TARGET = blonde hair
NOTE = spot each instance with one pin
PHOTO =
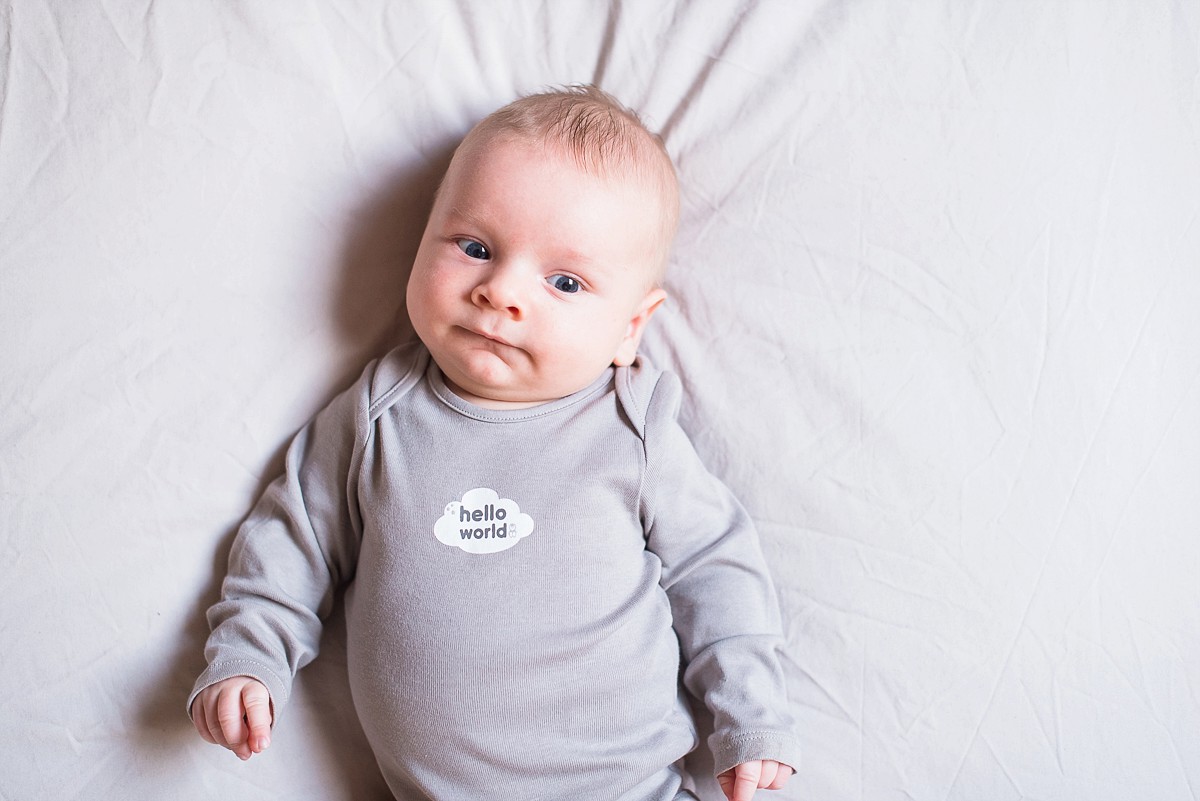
(601, 135)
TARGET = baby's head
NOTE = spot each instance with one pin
(541, 261)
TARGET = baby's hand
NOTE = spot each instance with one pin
(739, 783)
(235, 713)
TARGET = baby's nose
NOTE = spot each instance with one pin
(501, 290)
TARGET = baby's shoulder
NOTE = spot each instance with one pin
(390, 377)
(648, 395)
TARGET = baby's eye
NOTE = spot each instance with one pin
(473, 249)
(565, 283)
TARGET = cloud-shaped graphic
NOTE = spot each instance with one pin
(482, 522)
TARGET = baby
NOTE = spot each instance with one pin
(539, 560)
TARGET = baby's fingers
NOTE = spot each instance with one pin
(235, 713)
(231, 722)
(745, 781)
(781, 777)
(201, 723)
(257, 703)
(739, 783)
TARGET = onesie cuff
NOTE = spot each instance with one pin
(228, 669)
(733, 751)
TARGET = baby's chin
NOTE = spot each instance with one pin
(509, 380)
(502, 397)
(492, 396)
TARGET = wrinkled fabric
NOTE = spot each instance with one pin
(932, 303)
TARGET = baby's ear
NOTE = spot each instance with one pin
(627, 350)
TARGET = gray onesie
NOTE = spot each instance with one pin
(524, 586)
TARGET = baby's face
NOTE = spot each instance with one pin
(533, 276)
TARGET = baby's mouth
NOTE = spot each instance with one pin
(488, 337)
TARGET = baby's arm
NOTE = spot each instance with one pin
(235, 713)
(740, 782)
(723, 605)
(299, 543)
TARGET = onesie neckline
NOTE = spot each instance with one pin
(437, 383)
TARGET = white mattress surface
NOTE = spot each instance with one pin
(934, 302)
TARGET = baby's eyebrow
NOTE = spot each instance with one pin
(576, 258)
(465, 215)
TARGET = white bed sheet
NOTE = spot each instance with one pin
(934, 300)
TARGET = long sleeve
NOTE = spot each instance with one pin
(725, 611)
(298, 544)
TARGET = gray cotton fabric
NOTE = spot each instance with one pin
(523, 587)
